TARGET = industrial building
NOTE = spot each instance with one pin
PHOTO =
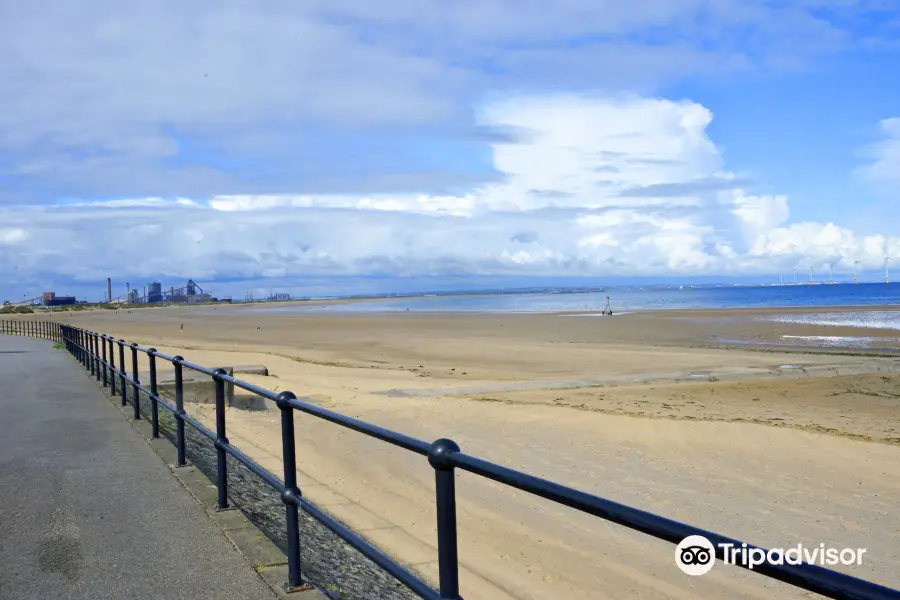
(189, 293)
(154, 292)
(51, 299)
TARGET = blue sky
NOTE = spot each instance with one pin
(801, 132)
(261, 146)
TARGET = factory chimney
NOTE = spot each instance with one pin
(109, 289)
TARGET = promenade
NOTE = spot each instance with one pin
(87, 509)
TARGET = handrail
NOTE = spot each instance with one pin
(444, 456)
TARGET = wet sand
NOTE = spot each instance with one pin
(775, 447)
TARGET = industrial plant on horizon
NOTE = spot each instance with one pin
(190, 293)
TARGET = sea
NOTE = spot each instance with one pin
(624, 300)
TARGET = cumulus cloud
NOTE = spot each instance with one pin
(166, 98)
(563, 207)
(759, 214)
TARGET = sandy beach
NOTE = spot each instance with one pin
(767, 442)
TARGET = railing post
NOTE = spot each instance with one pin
(105, 365)
(89, 343)
(112, 367)
(95, 348)
(291, 495)
(122, 371)
(222, 480)
(154, 407)
(445, 492)
(81, 357)
(135, 386)
(179, 411)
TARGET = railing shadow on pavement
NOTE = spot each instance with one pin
(444, 456)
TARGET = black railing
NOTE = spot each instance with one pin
(443, 455)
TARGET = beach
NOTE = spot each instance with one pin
(734, 421)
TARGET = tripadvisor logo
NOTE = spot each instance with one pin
(696, 555)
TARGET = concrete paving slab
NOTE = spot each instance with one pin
(88, 510)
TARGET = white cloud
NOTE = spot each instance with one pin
(885, 166)
(12, 236)
(112, 99)
(759, 214)
(624, 186)
(588, 152)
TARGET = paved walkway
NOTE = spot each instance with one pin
(87, 509)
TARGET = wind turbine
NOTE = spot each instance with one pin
(795, 275)
(887, 272)
(856, 264)
(810, 276)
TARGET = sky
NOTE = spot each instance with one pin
(337, 146)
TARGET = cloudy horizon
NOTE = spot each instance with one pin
(254, 148)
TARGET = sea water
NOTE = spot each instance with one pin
(635, 298)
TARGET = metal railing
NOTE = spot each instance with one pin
(444, 456)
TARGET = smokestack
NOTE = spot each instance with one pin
(109, 289)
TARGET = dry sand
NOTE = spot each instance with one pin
(636, 408)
